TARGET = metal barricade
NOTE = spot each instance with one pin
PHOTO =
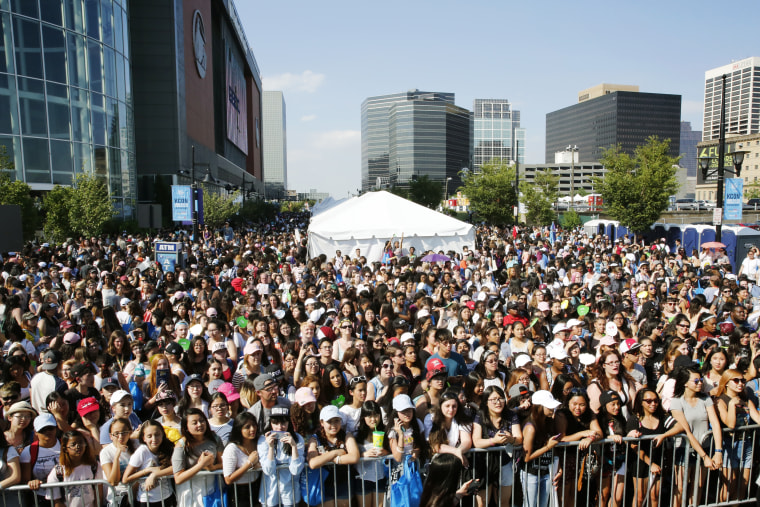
(22, 495)
(635, 472)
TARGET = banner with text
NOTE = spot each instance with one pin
(182, 203)
(732, 202)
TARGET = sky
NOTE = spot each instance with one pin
(327, 57)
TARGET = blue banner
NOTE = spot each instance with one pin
(182, 203)
(732, 202)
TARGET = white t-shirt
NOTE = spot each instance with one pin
(143, 458)
(75, 496)
(352, 418)
(47, 458)
(233, 458)
(107, 454)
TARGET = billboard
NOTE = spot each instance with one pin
(732, 203)
(237, 121)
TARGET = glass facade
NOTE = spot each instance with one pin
(496, 132)
(413, 134)
(742, 99)
(65, 93)
(624, 118)
(275, 143)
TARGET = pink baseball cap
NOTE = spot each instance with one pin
(305, 395)
(229, 391)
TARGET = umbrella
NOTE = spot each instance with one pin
(713, 244)
(434, 257)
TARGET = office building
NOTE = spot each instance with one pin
(496, 132)
(409, 135)
(604, 89)
(196, 84)
(750, 172)
(689, 140)
(573, 176)
(622, 118)
(275, 144)
(742, 99)
(66, 97)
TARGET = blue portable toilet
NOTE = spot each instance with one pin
(610, 232)
(728, 238)
(708, 234)
(621, 232)
(674, 233)
(690, 239)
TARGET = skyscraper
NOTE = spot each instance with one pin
(496, 132)
(413, 134)
(275, 143)
(615, 118)
(742, 99)
(689, 140)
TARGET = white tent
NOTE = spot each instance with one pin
(325, 205)
(368, 221)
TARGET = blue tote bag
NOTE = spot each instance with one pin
(407, 490)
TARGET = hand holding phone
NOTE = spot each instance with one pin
(472, 487)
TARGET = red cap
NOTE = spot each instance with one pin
(87, 405)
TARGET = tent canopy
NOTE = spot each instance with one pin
(368, 221)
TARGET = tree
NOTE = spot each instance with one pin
(254, 210)
(219, 207)
(90, 206)
(571, 219)
(491, 192)
(56, 205)
(425, 191)
(636, 189)
(18, 193)
(539, 197)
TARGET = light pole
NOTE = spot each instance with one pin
(446, 190)
(194, 187)
(737, 159)
(573, 150)
(517, 180)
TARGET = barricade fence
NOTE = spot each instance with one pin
(638, 472)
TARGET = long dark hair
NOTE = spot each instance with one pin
(439, 435)
(243, 418)
(638, 403)
(183, 409)
(442, 481)
(417, 437)
(328, 393)
(485, 416)
(165, 448)
(286, 447)
(207, 435)
(363, 431)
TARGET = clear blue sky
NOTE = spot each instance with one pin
(327, 57)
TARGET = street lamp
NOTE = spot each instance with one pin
(194, 187)
(446, 190)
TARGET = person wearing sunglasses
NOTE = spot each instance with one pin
(696, 414)
(345, 340)
(736, 411)
(649, 419)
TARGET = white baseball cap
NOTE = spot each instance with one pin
(545, 398)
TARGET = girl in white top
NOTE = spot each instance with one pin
(78, 463)
(240, 460)
(114, 458)
(152, 461)
(280, 446)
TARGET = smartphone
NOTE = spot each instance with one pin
(162, 376)
(473, 487)
(557, 436)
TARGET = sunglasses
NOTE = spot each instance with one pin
(356, 380)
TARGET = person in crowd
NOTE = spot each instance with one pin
(151, 463)
(240, 461)
(78, 462)
(280, 445)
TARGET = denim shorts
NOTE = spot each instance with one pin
(738, 454)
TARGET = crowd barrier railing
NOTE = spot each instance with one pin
(636, 472)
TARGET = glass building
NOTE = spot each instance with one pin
(620, 118)
(414, 134)
(65, 93)
(275, 143)
(497, 133)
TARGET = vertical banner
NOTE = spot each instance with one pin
(182, 203)
(732, 202)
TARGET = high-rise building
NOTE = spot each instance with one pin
(414, 134)
(689, 140)
(616, 118)
(66, 97)
(275, 144)
(197, 91)
(496, 132)
(742, 99)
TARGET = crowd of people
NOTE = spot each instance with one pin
(603, 373)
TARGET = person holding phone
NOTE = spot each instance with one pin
(160, 380)
(539, 439)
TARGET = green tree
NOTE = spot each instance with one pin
(636, 189)
(56, 205)
(539, 196)
(491, 192)
(570, 220)
(90, 207)
(255, 210)
(219, 207)
(425, 191)
(18, 193)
